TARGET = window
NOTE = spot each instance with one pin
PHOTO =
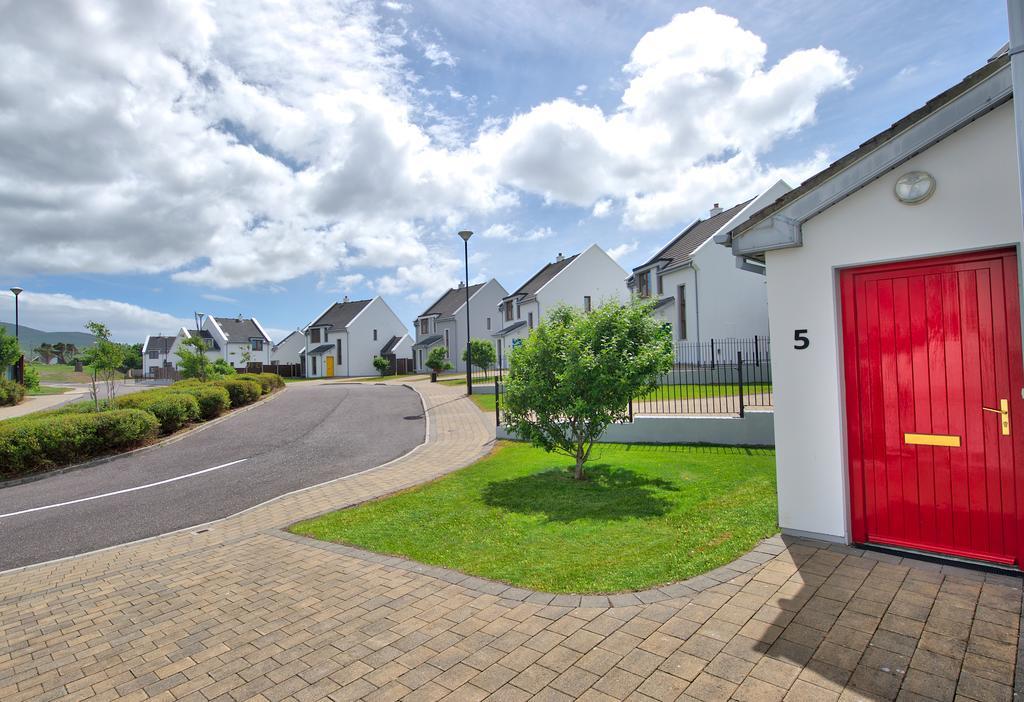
(312, 365)
(314, 336)
(661, 289)
(508, 311)
(519, 312)
(529, 317)
(586, 303)
(424, 326)
(339, 352)
(643, 284)
(421, 358)
(154, 354)
(257, 344)
(681, 293)
(374, 334)
(447, 347)
(488, 324)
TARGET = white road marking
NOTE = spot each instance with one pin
(122, 492)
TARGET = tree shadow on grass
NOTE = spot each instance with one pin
(607, 494)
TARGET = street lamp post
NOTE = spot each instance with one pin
(469, 352)
(17, 291)
(17, 334)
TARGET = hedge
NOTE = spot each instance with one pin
(172, 410)
(29, 444)
(213, 401)
(242, 392)
(268, 381)
(11, 393)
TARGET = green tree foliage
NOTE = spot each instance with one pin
(576, 372)
(192, 358)
(381, 364)
(437, 359)
(9, 351)
(220, 369)
(483, 355)
(46, 351)
(106, 358)
(132, 355)
(31, 377)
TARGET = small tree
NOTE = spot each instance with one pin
(192, 358)
(219, 369)
(483, 355)
(106, 358)
(381, 364)
(9, 352)
(246, 358)
(437, 361)
(576, 373)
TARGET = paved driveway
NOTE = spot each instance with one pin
(306, 435)
(246, 612)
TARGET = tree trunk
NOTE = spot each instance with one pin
(579, 468)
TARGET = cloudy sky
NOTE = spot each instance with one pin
(161, 157)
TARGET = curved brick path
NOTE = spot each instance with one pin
(245, 611)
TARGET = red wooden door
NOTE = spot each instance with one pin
(927, 346)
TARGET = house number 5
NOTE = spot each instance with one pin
(800, 337)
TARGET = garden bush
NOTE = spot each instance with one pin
(213, 401)
(256, 378)
(33, 443)
(10, 392)
(242, 392)
(276, 381)
(172, 410)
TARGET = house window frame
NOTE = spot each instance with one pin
(508, 311)
(488, 324)
(681, 306)
(424, 326)
(587, 304)
(338, 348)
(314, 335)
(643, 284)
(374, 334)
(154, 354)
(447, 344)
(529, 320)
(256, 344)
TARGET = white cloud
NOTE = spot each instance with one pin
(602, 208)
(581, 88)
(622, 250)
(350, 281)
(507, 232)
(235, 147)
(217, 298)
(59, 312)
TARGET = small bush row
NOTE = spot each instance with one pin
(11, 393)
(78, 431)
(33, 443)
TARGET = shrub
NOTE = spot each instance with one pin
(213, 401)
(256, 378)
(172, 410)
(10, 392)
(276, 381)
(33, 443)
(31, 378)
(242, 392)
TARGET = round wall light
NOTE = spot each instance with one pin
(915, 187)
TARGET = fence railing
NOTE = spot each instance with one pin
(717, 385)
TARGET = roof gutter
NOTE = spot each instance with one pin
(1015, 14)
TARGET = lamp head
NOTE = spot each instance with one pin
(16, 290)
(465, 235)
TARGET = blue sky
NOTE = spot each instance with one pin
(265, 162)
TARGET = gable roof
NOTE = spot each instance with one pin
(452, 300)
(993, 66)
(681, 248)
(542, 277)
(239, 330)
(159, 343)
(340, 314)
(278, 344)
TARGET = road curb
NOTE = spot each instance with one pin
(159, 444)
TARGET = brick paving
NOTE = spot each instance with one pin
(244, 611)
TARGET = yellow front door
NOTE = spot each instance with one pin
(330, 366)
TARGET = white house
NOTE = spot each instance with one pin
(444, 322)
(700, 290)
(156, 354)
(584, 280)
(233, 339)
(346, 337)
(288, 350)
(894, 306)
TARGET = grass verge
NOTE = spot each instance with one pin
(647, 515)
(46, 390)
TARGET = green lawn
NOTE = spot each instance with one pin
(484, 402)
(46, 390)
(647, 515)
(60, 373)
(462, 381)
(685, 392)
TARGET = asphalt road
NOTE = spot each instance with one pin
(308, 435)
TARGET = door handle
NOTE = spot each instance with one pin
(1004, 415)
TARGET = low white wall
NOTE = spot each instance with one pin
(754, 429)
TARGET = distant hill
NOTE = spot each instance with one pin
(31, 338)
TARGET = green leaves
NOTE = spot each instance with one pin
(575, 374)
(437, 359)
(483, 354)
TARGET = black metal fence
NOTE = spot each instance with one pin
(722, 377)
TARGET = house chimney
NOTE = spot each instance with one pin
(559, 258)
(461, 285)
(715, 210)
(345, 299)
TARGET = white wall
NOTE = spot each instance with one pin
(592, 273)
(483, 304)
(733, 302)
(359, 348)
(289, 349)
(975, 206)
